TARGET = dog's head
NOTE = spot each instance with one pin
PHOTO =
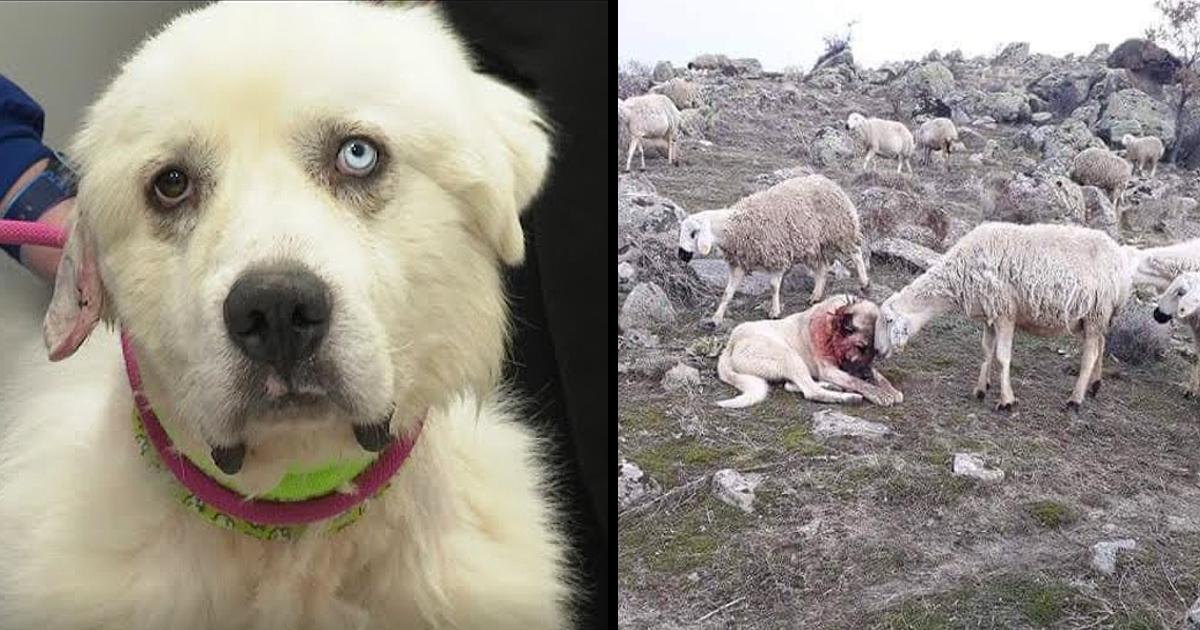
(299, 212)
(854, 327)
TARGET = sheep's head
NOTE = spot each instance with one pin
(1127, 138)
(1181, 299)
(855, 121)
(892, 330)
(695, 236)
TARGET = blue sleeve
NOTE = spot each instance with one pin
(21, 122)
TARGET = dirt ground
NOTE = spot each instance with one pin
(857, 533)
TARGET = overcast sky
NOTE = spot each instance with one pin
(788, 32)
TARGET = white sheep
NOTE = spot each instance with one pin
(1143, 151)
(885, 137)
(938, 134)
(1158, 266)
(1181, 299)
(804, 220)
(1105, 170)
(1043, 279)
(650, 116)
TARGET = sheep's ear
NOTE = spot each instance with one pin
(680, 213)
(501, 170)
(704, 241)
(78, 296)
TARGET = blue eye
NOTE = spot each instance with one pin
(357, 157)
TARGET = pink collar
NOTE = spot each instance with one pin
(260, 511)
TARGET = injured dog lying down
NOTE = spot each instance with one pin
(825, 353)
(294, 218)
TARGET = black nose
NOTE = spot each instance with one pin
(1161, 317)
(278, 316)
(684, 255)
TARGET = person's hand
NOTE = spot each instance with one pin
(43, 261)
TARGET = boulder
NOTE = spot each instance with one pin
(972, 465)
(1036, 199)
(715, 273)
(1146, 58)
(1007, 107)
(746, 67)
(833, 146)
(1104, 554)
(1134, 111)
(641, 214)
(1099, 212)
(915, 256)
(736, 489)
(633, 485)
(1063, 90)
(708, 61)
(1013, 54)
(646, 307)
(663, 71)
(682, 377)
(922, 90)
(884, 211)
(828, 423)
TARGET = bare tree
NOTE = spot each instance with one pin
(1179, 29)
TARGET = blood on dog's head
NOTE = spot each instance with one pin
(350, 168)
(846, 337)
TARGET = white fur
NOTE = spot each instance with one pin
(1181, 300)
(465, 537)
(649, 116)
(884, 137)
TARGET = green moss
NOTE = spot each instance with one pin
(662, 460)
(1051, 514)
(644, 419)
(1136, 620)
(851, 480)
(1041, 601)
(1037, 601)
(799, 439)
(917, 616)
(937, 487)
(693, 538)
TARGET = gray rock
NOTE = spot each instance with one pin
(646, 307)
(1146, 58)
(652, 366)
(828, 423)
(1192, 619)
(640, 214)
(1099, 53)
(708, 61)
(626, 272)
(1041, 117)
(1099, 212)
(1013, 54)
(663, 71)
(641, 337)
(1110, 82)
(833, 146)
(715, 273)
(746, 67)
(1088, 113)
(1063, 91)
(1036, 199)
(917, 256)
(682, 377)
(633, 485)
(1065, 139)
(971, 465)
(1007, 107)
(922, 87)
(696, 122)
(1104, 554)
(736, 489)
(1134, 111)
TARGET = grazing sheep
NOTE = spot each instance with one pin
(650, 116)
(1105, 170)
(831, 343)
(1043, 279)
(937, 134)
(1157, 267)
(885, 137)
(1182, 299)
(807, 220)
(683, 93)
(1143, 151)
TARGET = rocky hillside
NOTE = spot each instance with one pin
(942, 513)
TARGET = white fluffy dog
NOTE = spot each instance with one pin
(298, 214)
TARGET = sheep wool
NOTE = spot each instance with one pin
(1103, 169)
(807, 220)
(885, 137)
(1143, 152)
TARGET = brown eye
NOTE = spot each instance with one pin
(172, 186)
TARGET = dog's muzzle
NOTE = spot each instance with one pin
(684, 255)
(1161, 317)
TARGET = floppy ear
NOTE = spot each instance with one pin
(78, 296)
(704, 241)
(505, 167)
(845, 322)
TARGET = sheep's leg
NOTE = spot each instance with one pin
(735, 279)
(870, 154)
(671, 159)
(642, 153)
(985, 369)
(820, 274)
(860, 265)
(1004, 340)
(1091, 345)
(776, 283)
(1097, 370)
(1153, 168)
(633, 144)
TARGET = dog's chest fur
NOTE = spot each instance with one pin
(462, 539)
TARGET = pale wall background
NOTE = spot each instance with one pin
(64, 53)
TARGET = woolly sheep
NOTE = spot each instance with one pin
(1143, 151)
(1181, 300)
(808, 220)
(1158, 266)
(1105, 170)
(683, 93)
(886, 137)
(650, 116)
(1043, 279)
(937, 134)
